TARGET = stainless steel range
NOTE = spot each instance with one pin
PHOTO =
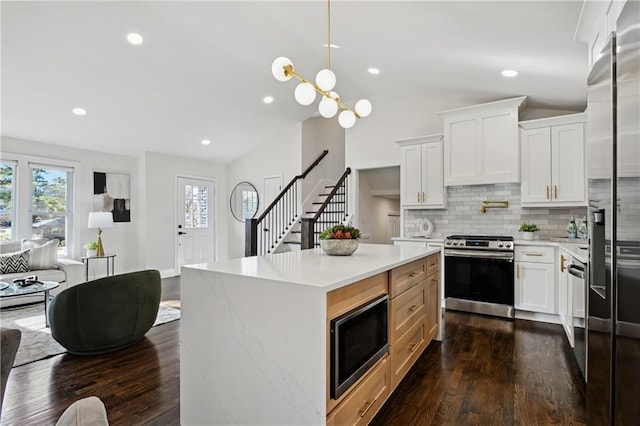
(478, 274)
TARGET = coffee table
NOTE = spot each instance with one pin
(15, 290)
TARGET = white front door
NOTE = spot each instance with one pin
(195, 224)
(272, 186)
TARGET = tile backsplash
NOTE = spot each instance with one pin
(463, 216)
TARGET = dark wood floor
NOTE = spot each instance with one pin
(486, 371)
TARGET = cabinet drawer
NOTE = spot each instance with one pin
(407, 309)
(406, 276)
(359, 407)
(537, 254)
(433, 264)
(346, 298)
(407, 349)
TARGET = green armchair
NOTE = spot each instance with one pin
(106, 314)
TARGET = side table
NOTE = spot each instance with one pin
(111, 258)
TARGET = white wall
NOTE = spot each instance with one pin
(160, 197)
(279, 155)
(319, 134)
(122, 239)
(373, 211)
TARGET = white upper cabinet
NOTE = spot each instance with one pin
(421, 178)
(552, 157)
(481, 143)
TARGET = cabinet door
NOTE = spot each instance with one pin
(535, 287)
(411, 175)
(535, 158)
(567, 165)
(500, 148)
(433, 306)
(433, 183)
(461, 152)
(565, 305)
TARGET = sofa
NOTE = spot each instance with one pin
(44, 263)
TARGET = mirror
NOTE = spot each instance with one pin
(244, 201)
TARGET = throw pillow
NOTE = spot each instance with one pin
(12, 263)
(43, 256)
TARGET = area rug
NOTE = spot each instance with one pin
(37, 343)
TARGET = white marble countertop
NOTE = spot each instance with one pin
(428, 239)
(317, 269)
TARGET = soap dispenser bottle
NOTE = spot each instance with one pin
(572, 228)
(584, 228)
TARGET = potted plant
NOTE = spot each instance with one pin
(339, 240)
(527, 230)
(91, 248)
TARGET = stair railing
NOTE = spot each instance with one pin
(333, 211)
(263, 233)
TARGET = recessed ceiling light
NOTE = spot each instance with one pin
(267, 99)
(135, 38)
(509, 73)
(79, 111)
(206, 142)
(374, 71)
(333, 46)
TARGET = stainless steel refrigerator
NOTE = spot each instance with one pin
(613, 171)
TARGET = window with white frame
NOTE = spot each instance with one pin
(51, 203)
(7, 199)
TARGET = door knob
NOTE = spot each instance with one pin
(182, 233)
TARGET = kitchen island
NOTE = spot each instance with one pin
(254, 332)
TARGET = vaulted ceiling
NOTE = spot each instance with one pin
(204, 67)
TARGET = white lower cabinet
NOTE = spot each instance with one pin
(535, 283)
(565, 296)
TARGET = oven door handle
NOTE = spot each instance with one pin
(479, 254)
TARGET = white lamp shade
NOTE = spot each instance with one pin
(347, 119)
(327, 107)
(277, 68)
(363, 108)
(100, 220)
(305, 93)
(326, 80)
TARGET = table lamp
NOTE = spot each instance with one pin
(100, 220)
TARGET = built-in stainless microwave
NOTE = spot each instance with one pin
(359, 338)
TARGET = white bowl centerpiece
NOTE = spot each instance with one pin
(339, 240)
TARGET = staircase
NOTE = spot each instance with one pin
(329, 208)
(282, 228)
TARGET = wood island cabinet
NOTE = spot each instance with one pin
(414, 320)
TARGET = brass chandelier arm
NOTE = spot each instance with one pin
(288, 71)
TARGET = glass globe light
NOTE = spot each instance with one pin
(327, 107)
(326, 80)
(347, 119)
(277, 68)
(305, 94)
(363, 108)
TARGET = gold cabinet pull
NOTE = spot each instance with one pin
(423, 197)
(562, 260)
(413, 308)
(547, 192)
(555, 188)
(534, 254)
(418, 196)
(413, 274)
(367, 406)
(412, 347)
(517, 272)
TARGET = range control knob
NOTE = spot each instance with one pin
(500, 245)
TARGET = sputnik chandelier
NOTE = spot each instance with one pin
(305, 92)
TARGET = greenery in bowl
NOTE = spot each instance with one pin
(91, 246)
(340, 232)
(528, 227)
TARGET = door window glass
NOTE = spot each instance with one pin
(196, 213)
